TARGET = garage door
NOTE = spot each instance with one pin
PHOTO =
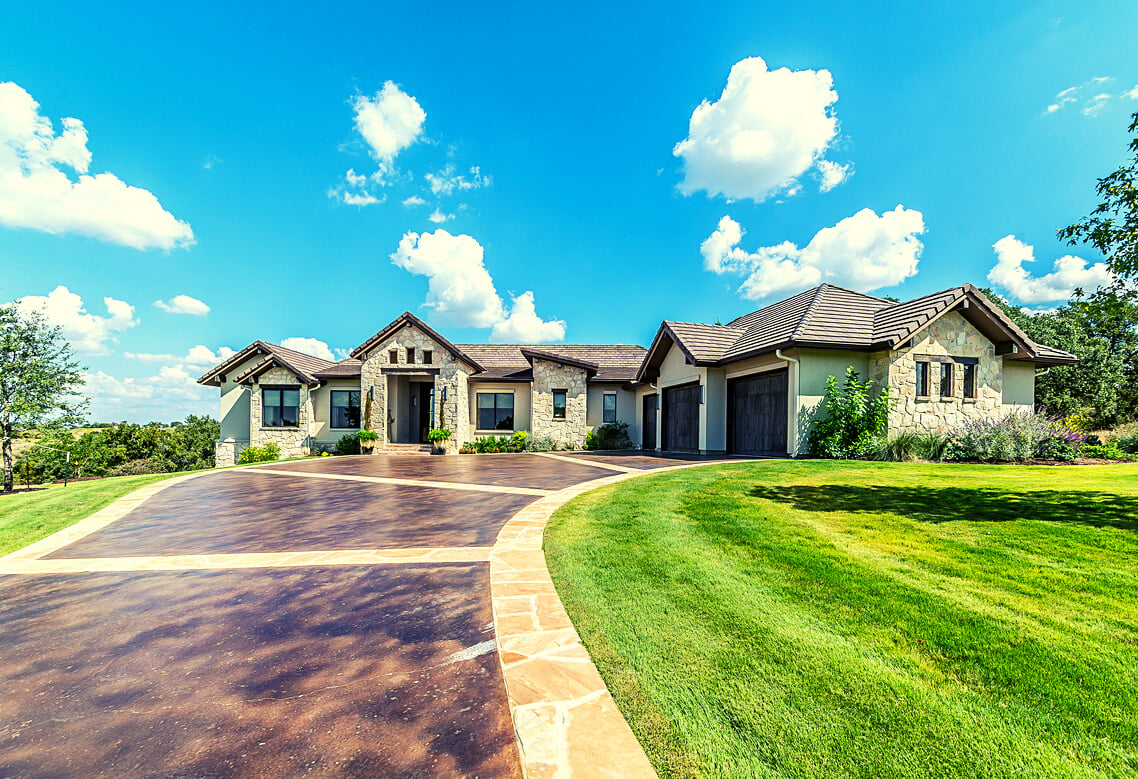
(681, 418)
(756, 413)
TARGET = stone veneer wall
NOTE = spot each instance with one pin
(453, 373)
(226, 452)
(293, 441)
(950, 336)
(548, 376)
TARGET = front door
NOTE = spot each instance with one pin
(426, 394)
(649, 426)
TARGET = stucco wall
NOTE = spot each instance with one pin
(547, 376)
(322, 431)
(1019, 385)
(625, 405)
(522, 402)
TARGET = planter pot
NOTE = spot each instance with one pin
(438, 447)
(367, 447)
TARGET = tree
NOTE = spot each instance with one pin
(1112, 227)
(39, 379)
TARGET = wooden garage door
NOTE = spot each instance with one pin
(649, 427)
(756, 413)
(681, 418)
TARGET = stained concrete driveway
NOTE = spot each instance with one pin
(234, 625)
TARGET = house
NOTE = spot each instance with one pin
(751, 386)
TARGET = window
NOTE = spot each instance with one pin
(922, 379)
(559, 403)
(345, 408)
(946, 380)
(281, 406)
(609, 408)
(428, 357)
(970, 380)
(393, 356)
(495, 411)
(411, 355)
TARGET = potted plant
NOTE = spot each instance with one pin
(367, 440)
(438, 438)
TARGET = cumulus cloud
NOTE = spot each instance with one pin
(524, 326)
(170, 394)
(413, 201)
(831, 174)
(447, 182)
(1069, 273)
(183, 304)
(389, 122)
(312, 346)
(865, 251)
(87, 333)
(1090, 96)
(201, 357)
(767, 128)
(438, 217)
(460, 292)
(38, 192)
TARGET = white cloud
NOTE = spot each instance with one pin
(361, 198)
(447, 182)
(389, 122)
(183, 304)
(460, 291)
(1070, 272)
(524, 326)
(767, 128)
(1088, 93)
(312, 346)
(831, 174)
(87, 333)
(37, 193)
(438, 217)
(414, 200)
(201, 357)
(168, 395)
(864, 252)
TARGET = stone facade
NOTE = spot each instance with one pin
(293, 441)
(227, 451)
(950, 336)
(451, 380)
(548, 376)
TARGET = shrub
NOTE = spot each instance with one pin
(613, 435)
(491, 444)
(543, 444)
(912, 445)
(1126, 437)
(349, 443)
(1108, 451)
(367, 435)
(467, 449)
(439, 434)
(260, 454)
(519, 441)
(1015, 437)
(855, 418)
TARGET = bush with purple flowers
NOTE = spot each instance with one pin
(1016, 437)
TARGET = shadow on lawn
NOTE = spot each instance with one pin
(928, 504)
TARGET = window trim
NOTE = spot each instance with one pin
(513, 416)
(281, 406)
(393, 356)
(564, 393)
(921, 378)
(428, 357)
(332, 409)
(604, 411)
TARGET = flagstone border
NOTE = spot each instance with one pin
(566, 721)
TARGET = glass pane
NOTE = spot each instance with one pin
(289, 417)
(290, 397)
(946, 380)
(505, 420)
(610, 402)
(559, 404)
(485, 419)
(505, 400)
(428, 356)
(271, 417)
(485, 400)
(922, 378)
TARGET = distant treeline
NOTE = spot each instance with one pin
(122, 449)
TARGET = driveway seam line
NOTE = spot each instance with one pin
(549, 676)
(445, 485)
(590, 463)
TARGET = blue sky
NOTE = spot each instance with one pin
(558, 151)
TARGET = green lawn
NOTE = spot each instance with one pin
(28, 517)
(864, 619)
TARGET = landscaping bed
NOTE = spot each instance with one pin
(821, 618)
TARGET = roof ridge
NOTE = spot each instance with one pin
(704, 324)
(854, 292)
(297, 352)
(818, 292)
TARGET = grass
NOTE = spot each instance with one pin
(802, 619)
(28, 517)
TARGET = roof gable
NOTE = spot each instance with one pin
(403, 320)
(305, 366)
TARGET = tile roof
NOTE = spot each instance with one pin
(834, 317)
(303, 365)
(506, 362)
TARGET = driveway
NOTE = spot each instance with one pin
(322, 617)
